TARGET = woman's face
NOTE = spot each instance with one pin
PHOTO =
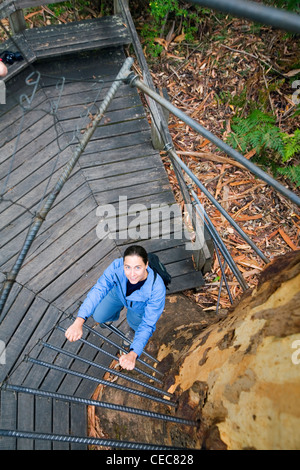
(135, 268)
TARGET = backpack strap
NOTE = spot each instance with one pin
(155, 276)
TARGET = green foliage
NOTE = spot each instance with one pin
(81, 7)
(159, 9)
(264, 92)
(292, 5)
(165, 12)
(292, 173)
(239, 101)
(60, 6)
(292, 145)
(297, 112)
(259, 131)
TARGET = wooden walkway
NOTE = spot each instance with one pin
(70, 38)
(67, 257)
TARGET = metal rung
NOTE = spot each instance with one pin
(100, 381)
(119, 347)
(83, 440)
(100, 404)
(112, 356)
(107, 369)
(121, 335)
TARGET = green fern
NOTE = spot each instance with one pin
(292, 173)
(257, 131)
(291, 150)
(292, 145)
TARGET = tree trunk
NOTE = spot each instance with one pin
(238, 375)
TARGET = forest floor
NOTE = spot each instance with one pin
(229, 58)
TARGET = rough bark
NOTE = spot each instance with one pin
(238, 375)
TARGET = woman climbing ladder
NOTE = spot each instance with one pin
(128, 282)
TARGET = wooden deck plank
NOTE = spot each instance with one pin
(61, 423)
(15, 227)
(11, 249)
(28, 137)
(19, 304)
(137, 178)
(76, 38)
(11, 120)
(28, 197)
(8, 418)
(79, 47)
(42, 423)
(78, 424)
(128, 168)
(147, 188)
(50, 233)
(109, 119)
(102, 27)
(134, 137)
(27, 174)
(78, 93)
(25, 419)
(57, 29)
(117, 154)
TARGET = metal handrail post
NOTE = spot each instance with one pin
(218, 206)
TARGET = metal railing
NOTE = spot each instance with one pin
(256, 12)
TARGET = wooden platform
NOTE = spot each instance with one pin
(67, 257)
(57, 40)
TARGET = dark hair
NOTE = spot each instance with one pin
(136, 250)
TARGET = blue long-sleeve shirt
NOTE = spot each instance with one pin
(148, 300)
